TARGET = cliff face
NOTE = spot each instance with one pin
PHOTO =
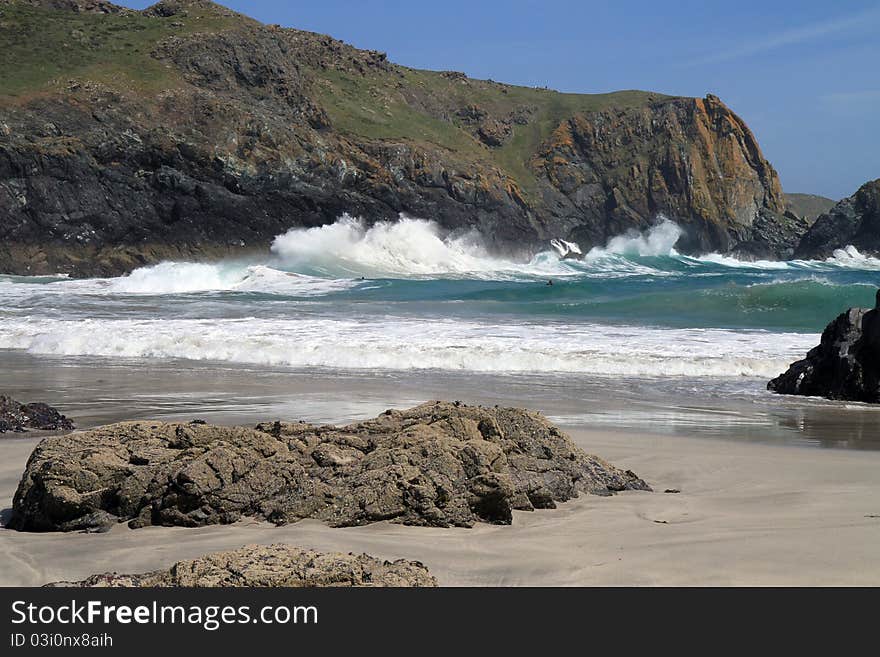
(188, 130)
(689, 159)
(853, 221)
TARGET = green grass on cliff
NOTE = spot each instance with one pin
(382, 105)
(42, 49)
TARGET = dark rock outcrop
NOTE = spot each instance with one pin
(845, 365)
(437, 464)
(15, 416)
(854, 221)
(223, 133)
(272, 566)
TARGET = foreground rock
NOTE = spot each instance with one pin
(845, 365)
(438, 464)
(272, 566)
(15, 416)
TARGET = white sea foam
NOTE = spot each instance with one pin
(327, 259)
(173, 278)
(735, 263)
(404, 248)
(659, 240)
(405, 344)
(846, 258)
(850, 258)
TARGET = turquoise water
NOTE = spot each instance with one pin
(632, 336)
(677, 295)
(404, 296)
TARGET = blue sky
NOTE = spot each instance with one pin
(804, 75)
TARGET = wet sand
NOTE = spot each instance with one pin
(747, 514)
(97, 391)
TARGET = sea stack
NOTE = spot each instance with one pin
(845, 365)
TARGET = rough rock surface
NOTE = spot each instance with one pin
(845, 365)
(440, 464)
(189, 131)
(15, 416)
(854, 221)
(691, 160)
(272, 566)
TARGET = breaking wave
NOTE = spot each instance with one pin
(405, 344)
(336, 257)
(408, 247)
(179, 278)
(407, 295)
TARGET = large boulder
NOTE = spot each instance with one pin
(15, 416)
(845, 365)
(439, 464)
(272, 566)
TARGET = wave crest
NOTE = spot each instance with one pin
(307, 262)
(407, 247)
(412, 344)
(659, 240)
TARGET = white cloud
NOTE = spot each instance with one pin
(865, 95)
(798, 35)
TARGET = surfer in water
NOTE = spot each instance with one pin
(550, 281)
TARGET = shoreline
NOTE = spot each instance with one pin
(96, 391)
(747, 514)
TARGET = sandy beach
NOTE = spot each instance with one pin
(747, 514)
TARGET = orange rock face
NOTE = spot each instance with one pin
(691, 160)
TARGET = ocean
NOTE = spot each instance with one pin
(632, 336)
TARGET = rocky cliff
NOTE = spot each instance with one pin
(853, 221)
(190, 131)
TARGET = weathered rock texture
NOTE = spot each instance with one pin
(854, 221)
(690, 159)
(190, 131)
(272, 566)
(845, 365)
(437, 464)
(15, 416)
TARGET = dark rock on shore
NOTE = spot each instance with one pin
(438, 464)
(854, 221)
(272, 566)
(845, 365)
(15, 416)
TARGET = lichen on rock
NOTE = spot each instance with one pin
(271, 566)
(439, 464)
